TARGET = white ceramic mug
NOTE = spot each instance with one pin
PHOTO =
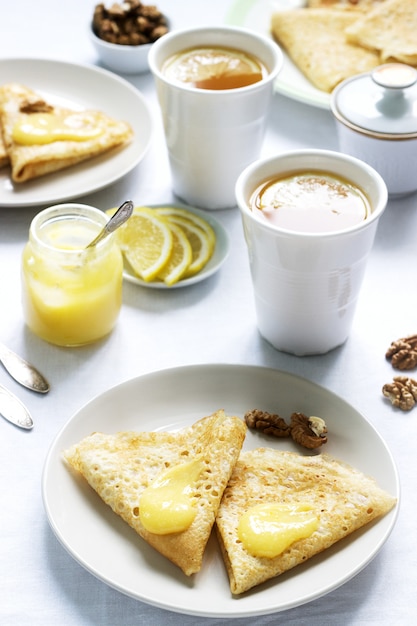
(212, 135)
(306, 285)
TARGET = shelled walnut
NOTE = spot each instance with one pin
(402, 392)
(269, 423)
(309, 432)
(129, 23)
(403, 353)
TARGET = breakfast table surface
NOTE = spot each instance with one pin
(211, 322)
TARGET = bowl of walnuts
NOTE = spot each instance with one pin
(123, 34)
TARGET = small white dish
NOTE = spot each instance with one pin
(120, 58)
(219, 256)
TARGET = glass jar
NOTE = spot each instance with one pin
(71, 295)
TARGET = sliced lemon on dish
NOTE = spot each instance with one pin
(146, 241)
(180, 257)
(173, 211)
(165, 243)
(201, 245)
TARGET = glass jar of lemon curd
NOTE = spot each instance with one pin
(71, 295)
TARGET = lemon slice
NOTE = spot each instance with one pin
(146, 241)
(180, 258)
(201, 246)
(171, 211)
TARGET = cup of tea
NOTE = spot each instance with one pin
(215, 88)
(309, 220)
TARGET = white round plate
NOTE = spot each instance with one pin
(170, 399)
(78, 87)
(219, 256)
(256, 15)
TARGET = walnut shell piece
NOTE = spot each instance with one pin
(402, 392)
(403, 353)
(269, 423)
(309, 432)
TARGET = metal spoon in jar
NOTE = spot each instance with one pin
(122, 214)
(22, 371)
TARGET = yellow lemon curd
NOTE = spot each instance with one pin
(43, 128)
(167, 506)
(268, 529)
(71, 296)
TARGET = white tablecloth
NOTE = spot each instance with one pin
(212, 322)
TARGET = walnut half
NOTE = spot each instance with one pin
(269, 423)
(309, 432)
(403, 353)
(402, 392)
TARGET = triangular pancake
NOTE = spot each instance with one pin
(18, 103)
(389, 29)
(342, 499)
(4, 159)
(120, 467)
(315, 41)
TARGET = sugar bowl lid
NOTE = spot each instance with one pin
(380, 102)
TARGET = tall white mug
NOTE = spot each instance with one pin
(212, 135)
(305, 284)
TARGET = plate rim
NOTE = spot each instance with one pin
(104, 75)
(184, 370)
(222, 237)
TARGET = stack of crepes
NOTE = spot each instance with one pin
(331, 40)
(37, 138)
(173, 487)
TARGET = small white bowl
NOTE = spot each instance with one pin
(121, 58)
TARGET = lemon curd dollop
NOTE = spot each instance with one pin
(44, 128)
(267, 529)
(167, 505)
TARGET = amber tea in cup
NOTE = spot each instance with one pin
(311, 201)
(215, 88)
(214, 67)
(307, 269)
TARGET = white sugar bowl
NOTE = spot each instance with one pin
(376, 118)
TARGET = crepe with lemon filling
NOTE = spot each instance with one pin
(4, 159)
(125, 469)
(40, 138)
(315, 41)
(389, 29)
(339, 497)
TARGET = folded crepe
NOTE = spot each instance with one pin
(326, 498)
(130, 470)
(389, 29)
(74, 136)
(315, 40)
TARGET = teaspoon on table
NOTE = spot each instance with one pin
(22, 371)
(122, 214)
(13, 410)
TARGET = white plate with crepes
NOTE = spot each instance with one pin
(170, 399)
(291, 82)
(78, 87)
(219, 256)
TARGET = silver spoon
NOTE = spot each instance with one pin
(122, 214)
(13, 410)
(22, 371)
